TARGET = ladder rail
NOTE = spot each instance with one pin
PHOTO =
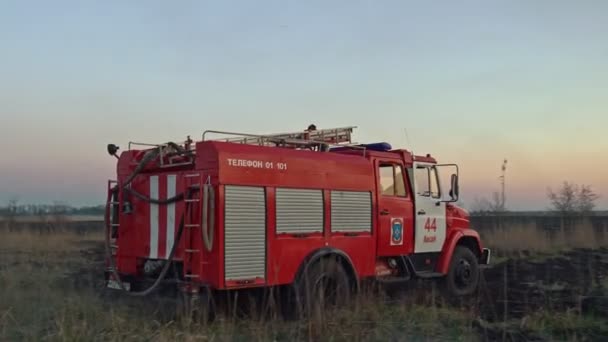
(323, 136)
(239, 135)
(338, 135)
(191, 254)
(318, 139)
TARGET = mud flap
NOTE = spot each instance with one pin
(486, 255)
(113, 284)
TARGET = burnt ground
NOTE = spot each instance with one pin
(519, 299)
(571, 285)
(566, 281)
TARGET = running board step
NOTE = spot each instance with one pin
(393, 280)
(426, 275)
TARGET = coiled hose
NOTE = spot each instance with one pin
(150, 156)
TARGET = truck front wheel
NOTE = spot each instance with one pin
(463, 276)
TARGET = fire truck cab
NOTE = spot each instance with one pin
(245, 211)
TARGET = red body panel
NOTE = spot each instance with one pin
(221, 164)
(305, 169)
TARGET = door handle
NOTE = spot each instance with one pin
(421, 212)
(384, 212)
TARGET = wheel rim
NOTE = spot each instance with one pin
(464, 274)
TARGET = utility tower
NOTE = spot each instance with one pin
(503, 197)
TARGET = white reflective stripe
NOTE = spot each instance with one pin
(171, 189)
(153, 218)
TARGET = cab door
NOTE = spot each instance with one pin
(430, 211)
(394, 209)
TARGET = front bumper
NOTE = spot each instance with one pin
(486, 255)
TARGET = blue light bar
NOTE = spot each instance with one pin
(379, 146)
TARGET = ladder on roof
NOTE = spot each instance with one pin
(330, 136)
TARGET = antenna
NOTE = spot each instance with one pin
(503, 197)
(407, 140)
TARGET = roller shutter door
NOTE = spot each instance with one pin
(299, 210)
(245, 232)
(351, 211)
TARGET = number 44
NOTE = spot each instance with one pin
(430, 225)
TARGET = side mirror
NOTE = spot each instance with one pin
(454, 191)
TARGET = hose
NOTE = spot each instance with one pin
(145, 198)
(208, 201)
(148, 157)
(163, 272)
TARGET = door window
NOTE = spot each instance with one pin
(391, 180)
(399, 182)
(387, 181)
(427, 183)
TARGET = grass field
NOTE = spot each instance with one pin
(52, 289)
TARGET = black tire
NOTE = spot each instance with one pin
(463, 276)
(325, 285)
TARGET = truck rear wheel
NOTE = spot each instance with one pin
(463, 276)
(326, 284)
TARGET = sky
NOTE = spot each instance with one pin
(471, 82)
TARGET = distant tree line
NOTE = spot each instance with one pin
(570, 199)
(13, 209)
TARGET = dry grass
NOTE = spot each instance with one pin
(28, 241)
(528, 237)
(52, 289)
(566, 326)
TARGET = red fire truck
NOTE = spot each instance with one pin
(306, 208)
